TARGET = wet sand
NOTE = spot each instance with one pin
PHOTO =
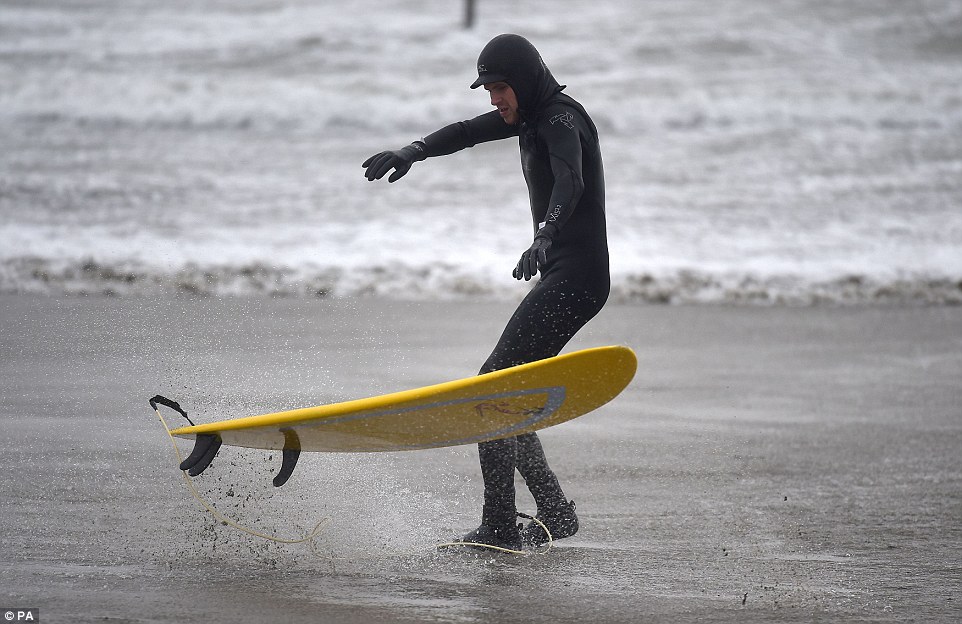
(767, 464)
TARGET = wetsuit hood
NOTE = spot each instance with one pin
(514, 60)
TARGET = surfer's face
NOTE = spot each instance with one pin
(504, 99)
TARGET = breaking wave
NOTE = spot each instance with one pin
(439, 282)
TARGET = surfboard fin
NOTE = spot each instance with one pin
(205, 449)
(292, 451)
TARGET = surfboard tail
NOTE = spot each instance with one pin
(207, 445)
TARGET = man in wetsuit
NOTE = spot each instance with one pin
(561, 160)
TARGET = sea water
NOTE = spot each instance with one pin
(774, 152)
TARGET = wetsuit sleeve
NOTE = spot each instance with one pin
(561, 133)
(464, 134)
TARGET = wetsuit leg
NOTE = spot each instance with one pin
(498, 461)
(534, 469)
(544, 322)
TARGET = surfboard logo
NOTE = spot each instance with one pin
(503, 408)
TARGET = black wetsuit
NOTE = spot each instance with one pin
(562, 164)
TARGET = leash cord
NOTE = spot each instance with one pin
(508, 550)
(309, 537)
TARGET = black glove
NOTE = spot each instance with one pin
(534, 258)
(400, 160)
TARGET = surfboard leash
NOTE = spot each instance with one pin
(324, 522)
(309, 537)
(512, 551)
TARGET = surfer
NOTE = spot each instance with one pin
(562, 165)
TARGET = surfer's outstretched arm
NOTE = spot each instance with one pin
(449, 139)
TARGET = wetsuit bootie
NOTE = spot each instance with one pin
(562, 521)
(505, 536)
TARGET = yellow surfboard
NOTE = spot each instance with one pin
(495, 405)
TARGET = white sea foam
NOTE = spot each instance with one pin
(776, 153)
